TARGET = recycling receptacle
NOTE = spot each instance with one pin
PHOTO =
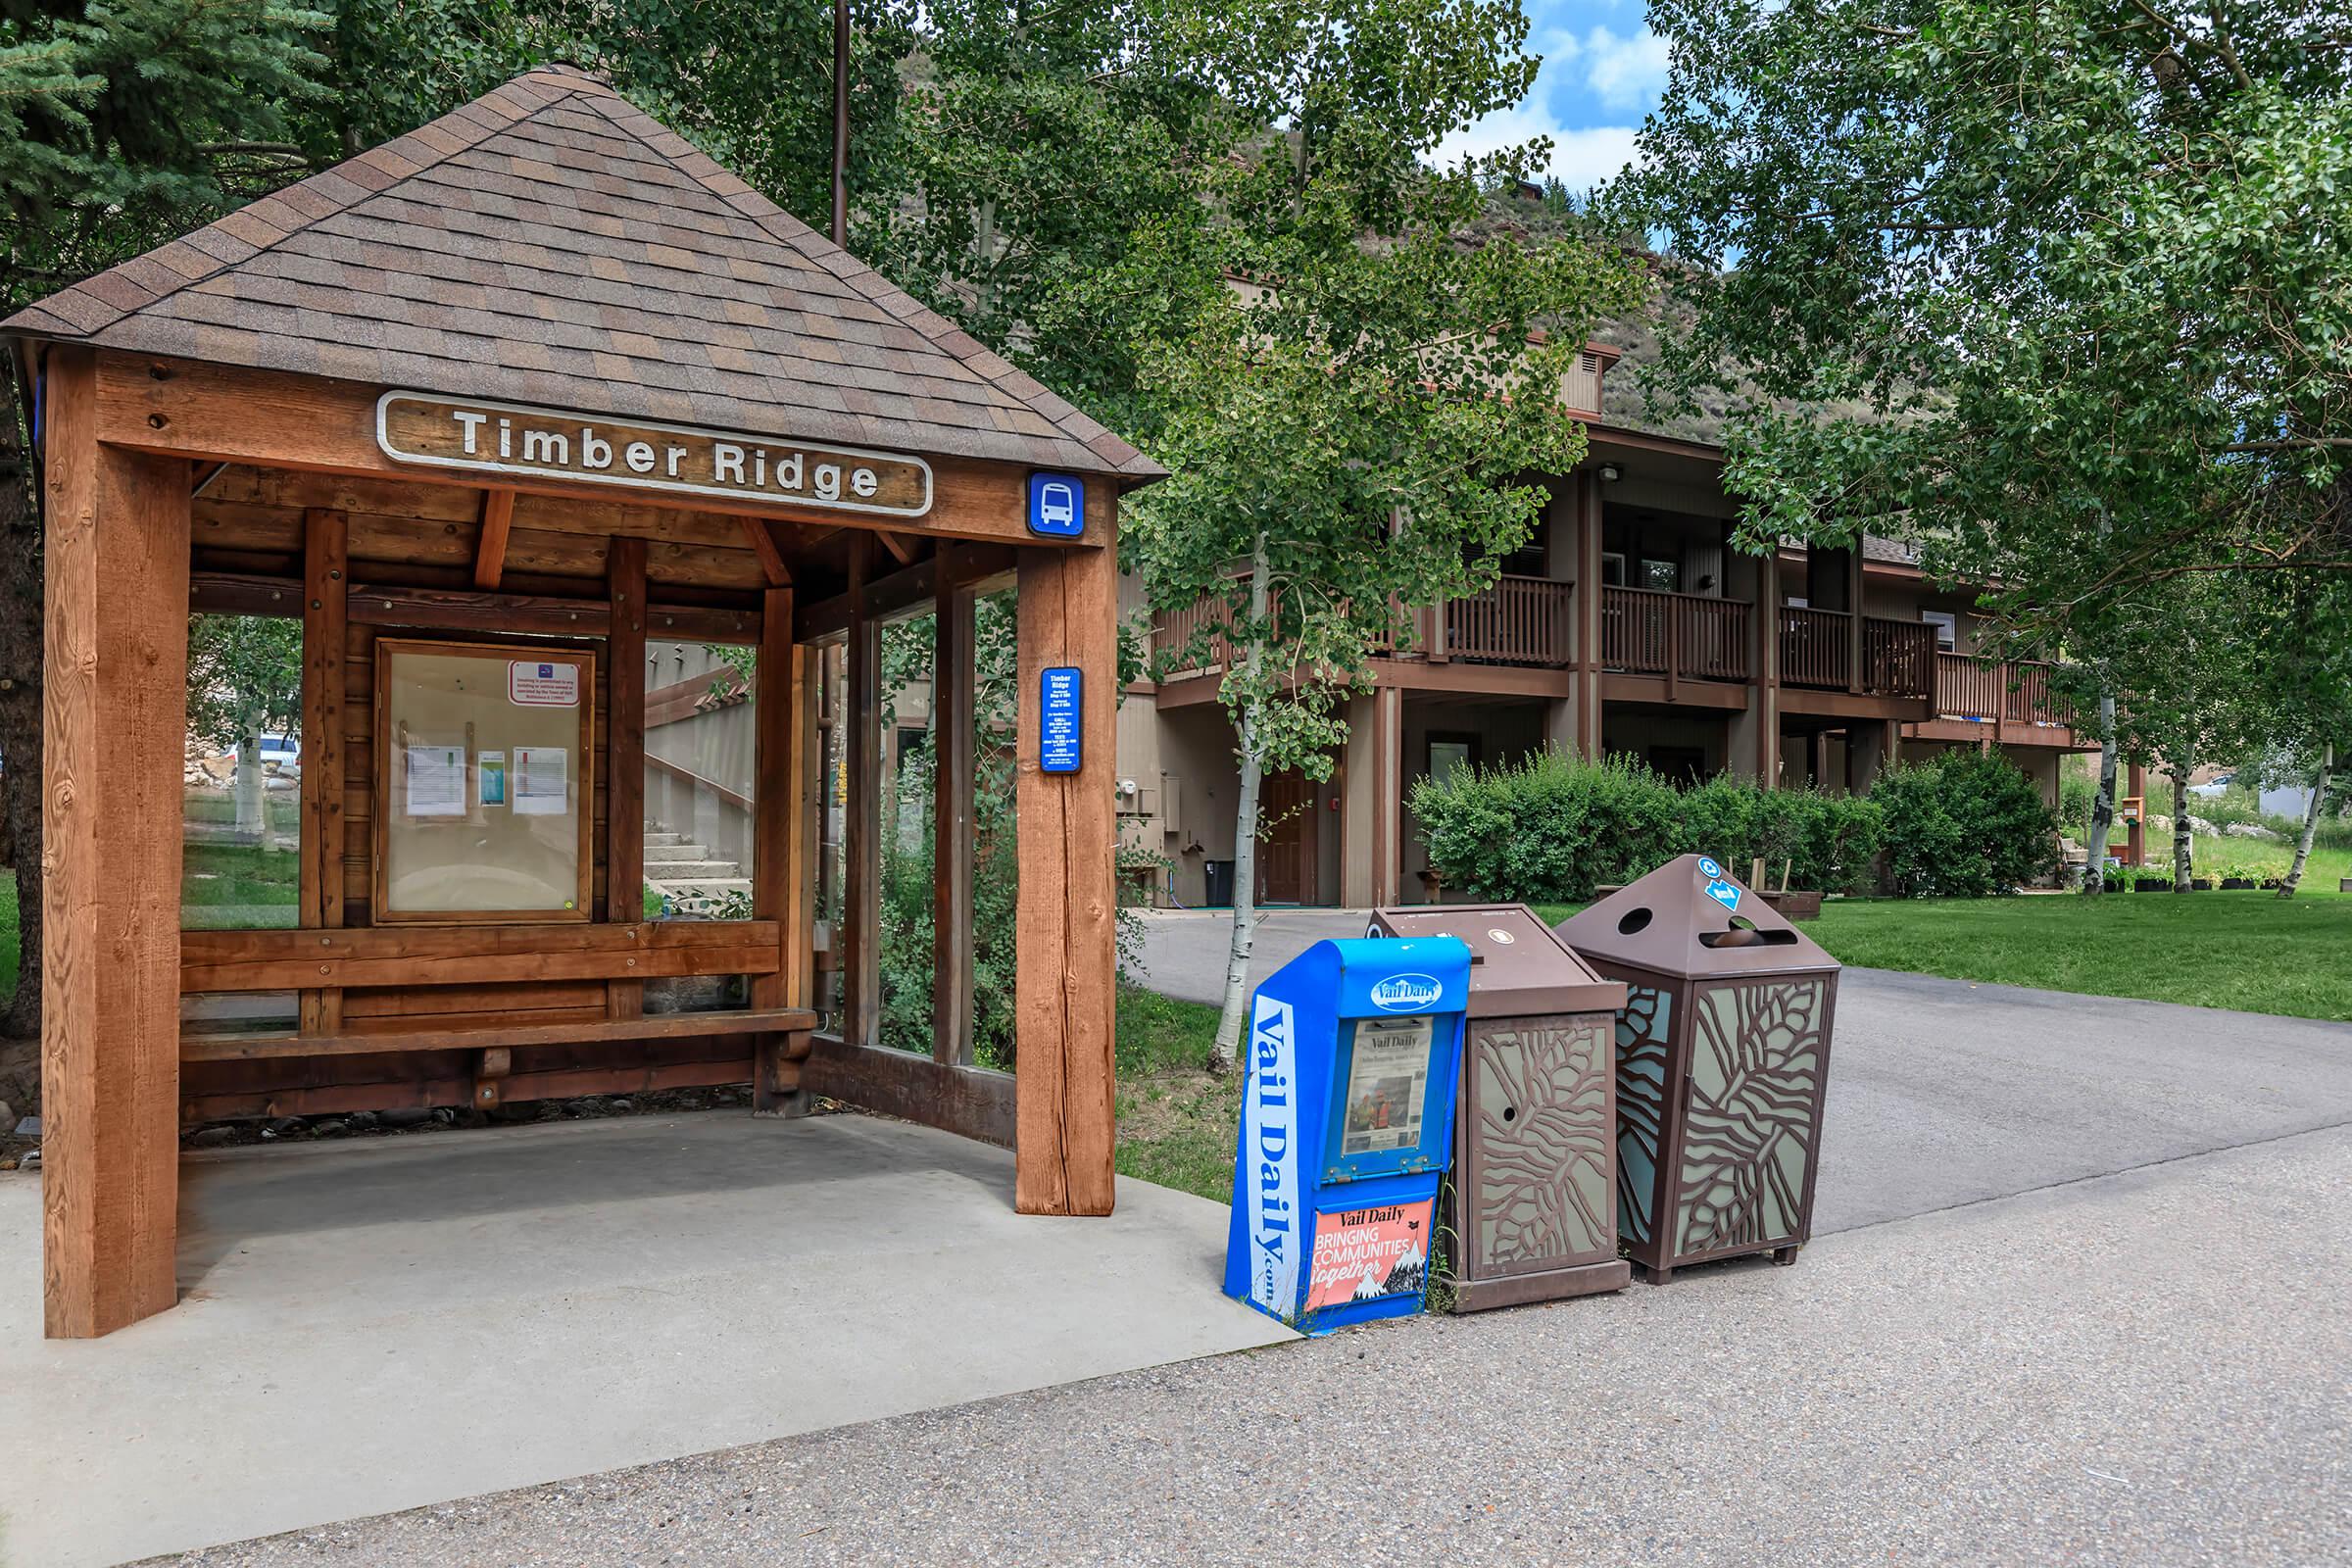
(1347, 1129)
(1534, 1216)
(1723, 1058)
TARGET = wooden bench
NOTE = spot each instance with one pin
(204, 1046)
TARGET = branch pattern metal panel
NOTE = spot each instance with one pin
(1540, 1134)
(1643, 1031)
(1756, 1057)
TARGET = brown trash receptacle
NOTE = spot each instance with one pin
(1534, 1216)
(1723, 1055)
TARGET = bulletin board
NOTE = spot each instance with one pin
(484, 783)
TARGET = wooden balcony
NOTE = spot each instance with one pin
(2007, 695)
(1521, 621)
(1818, 652)
(1680, 636)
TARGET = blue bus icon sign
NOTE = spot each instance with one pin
(1056, 505)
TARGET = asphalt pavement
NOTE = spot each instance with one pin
(2074, 1296)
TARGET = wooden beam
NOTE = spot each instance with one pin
(952, 801)
(326, 585)
(1065, 909)
(454, 610)
(490, 1036)
(114, 711)
(213, 412)
(776, 827)
(971, 1102)
(862, 858)
(433, 956)
(625, 755)
(908, 592)
(763, 545)
(901, 550)
(490, 553)
(223, 593)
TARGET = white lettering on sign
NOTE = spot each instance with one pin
(1270, 1147)
(504, 438)
(531, 683)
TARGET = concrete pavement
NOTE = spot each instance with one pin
(369, 1325)
(2141, 1369)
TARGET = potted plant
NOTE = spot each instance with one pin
(2146, 881)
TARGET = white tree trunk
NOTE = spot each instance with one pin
(2311, 824)
(2183, 849)
(2102, 810)
(1227, 1047)
(251, 826)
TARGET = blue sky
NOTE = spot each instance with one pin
(1602, 71)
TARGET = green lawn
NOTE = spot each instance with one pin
(1177, 1123)
(2249, 951)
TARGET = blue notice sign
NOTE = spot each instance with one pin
(1056, 505)
(1060, 718)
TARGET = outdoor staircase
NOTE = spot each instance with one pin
(688, 876)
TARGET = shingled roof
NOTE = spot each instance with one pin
(552, 244)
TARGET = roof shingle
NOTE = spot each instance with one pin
(550, 243)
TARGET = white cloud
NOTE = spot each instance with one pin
(1582, 158)
(1626, 73)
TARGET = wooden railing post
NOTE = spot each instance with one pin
(1674, 646)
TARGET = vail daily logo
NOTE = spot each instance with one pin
(1268, 1118)
(1407, 993)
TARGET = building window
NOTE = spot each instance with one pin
(1612, 568)
(1947, 628)
(1661, 576)
(1447, 752)
(241, 795)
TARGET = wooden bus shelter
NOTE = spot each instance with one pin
(508, 397)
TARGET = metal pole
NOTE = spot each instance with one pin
(841, 123)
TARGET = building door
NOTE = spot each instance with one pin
(1286, 839)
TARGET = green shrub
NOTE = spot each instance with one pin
(1551, 828)
(2078, 796)
(1965, 824)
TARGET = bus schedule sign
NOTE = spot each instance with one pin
(504, 438)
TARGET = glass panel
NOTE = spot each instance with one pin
(702, 777)
(241, 801)
(702, 774)
(907, 845)
(484, 778)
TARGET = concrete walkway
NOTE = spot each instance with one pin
(372, 1325)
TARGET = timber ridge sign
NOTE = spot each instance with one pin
(504, 438)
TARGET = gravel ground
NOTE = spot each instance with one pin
(2143, 1368)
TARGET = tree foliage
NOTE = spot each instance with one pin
(2060, 288)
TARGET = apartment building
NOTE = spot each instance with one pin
(1626, 625)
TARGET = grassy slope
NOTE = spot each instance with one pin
(1177, 1123)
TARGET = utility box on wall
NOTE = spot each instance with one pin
(1534, 1216)
(1347, 1129)
(1723, 1057)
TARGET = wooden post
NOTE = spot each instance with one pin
(115, 741)
(776, 818)
(1388, 794)
(952, 697)
(808, 806)
(1854, 614)
(1589, 592)
(861, 859)
(1765, 693)
(326, 587)
(1064, 987)
(624, 756)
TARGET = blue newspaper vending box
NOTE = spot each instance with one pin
(1347, 1129)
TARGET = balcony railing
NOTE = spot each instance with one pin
(1680, 636)
(1985, 692)
(1816, 650)
(1520, 620)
